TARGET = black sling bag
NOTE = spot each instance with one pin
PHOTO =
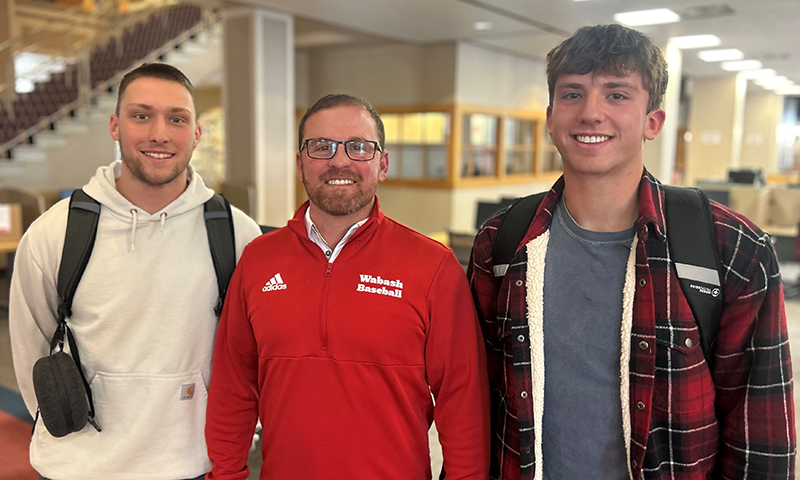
(62, 391)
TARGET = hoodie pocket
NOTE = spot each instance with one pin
(152, 427)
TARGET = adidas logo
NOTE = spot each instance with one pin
(275, 283)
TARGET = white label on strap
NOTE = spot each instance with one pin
(500, 270)
(698, 274)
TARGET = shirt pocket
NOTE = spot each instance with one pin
(152, 427)
(683, 381)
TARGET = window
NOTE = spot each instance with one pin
(479, 150)
(417, 144)
(519, 143)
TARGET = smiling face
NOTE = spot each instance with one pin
(599, 123)
(157, 132)
(341, 186)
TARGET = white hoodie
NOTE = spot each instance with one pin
(144, 324)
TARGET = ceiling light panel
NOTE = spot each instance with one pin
(722, 55)
(696, 41)
(773, 82)
(739, 65)
(638, 18)
(794, 90)
(760, 73)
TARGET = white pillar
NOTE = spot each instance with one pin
(259, 97)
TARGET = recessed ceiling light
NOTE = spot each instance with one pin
(656, 16)
(696, 41)
(794, 90)
(721, 55)
(481, 26)
(774, 82)
(739, 65)
(760, 73)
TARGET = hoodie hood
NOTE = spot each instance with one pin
(102, 187)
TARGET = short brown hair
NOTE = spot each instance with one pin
(153, 70)
(335, 100)
(610, 50)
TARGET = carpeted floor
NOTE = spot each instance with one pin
(15, 435)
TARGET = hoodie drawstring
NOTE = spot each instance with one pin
(135, 214)
(163, 220)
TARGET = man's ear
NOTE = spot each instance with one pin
(198, 131)
(113, 127)
(655, 122)
(299, 163)
(549, 120)
(383, 167)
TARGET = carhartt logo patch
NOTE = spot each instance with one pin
(395, 286)
(274, 283)
(187, 391)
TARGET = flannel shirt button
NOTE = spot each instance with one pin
(521, 338)
(524, 394)
(519, 283)
(640, 405)
(642, 282)
(644, 345)
(633, 463)
(688, 343)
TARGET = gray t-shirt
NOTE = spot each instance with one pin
(583, 279)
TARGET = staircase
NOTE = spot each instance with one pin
(73, 107)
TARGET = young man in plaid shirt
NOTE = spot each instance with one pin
(595, 362)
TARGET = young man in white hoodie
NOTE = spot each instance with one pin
(143, 314)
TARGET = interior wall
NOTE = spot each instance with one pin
(302, 99)
(385, 75)
(493, 78)
(712, 122)
(426, 210)
(762, 115)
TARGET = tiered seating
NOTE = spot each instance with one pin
(104, 63)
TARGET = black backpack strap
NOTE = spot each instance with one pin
(84, 212)
(693, 247)
(219, 227)
(82, 219)
(511, 230)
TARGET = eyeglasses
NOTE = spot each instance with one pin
(325, 149)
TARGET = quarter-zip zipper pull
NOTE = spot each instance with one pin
(328, 270)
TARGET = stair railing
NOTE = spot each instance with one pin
(87, 94)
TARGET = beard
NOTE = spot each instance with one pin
(138, 170)
(337, 202)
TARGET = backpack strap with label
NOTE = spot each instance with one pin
(219, 227)
(692, 243)
(512, 229)
(84, 212)
(693, 247)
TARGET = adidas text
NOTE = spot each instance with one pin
(274, 283)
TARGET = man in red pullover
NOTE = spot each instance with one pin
(338, 327)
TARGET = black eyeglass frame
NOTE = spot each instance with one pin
(335, 148)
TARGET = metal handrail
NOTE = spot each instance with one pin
(209, 18)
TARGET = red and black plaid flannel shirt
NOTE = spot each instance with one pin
(684, 425)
